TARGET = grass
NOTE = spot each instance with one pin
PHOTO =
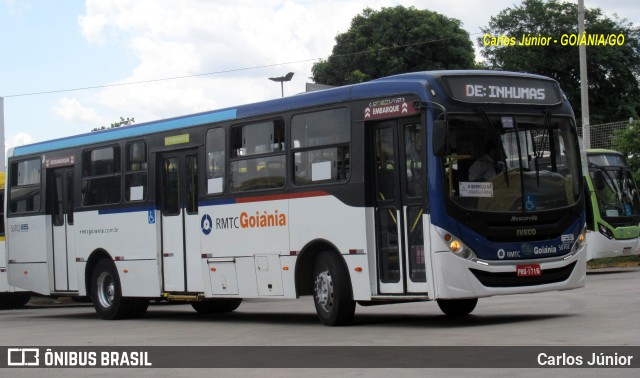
(614, 262)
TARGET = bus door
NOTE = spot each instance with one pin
(400, 185)
(60, 188)
(178, 197)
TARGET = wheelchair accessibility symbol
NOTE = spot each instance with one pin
(531, 203)
(206, 224)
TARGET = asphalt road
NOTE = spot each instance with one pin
(604, 313)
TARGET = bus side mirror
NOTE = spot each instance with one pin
(439, 138)
(598, 180)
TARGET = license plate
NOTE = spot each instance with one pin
(626, 251)
(528, 270)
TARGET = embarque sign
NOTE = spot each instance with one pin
(389, 108)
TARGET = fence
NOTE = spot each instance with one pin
(601, 135)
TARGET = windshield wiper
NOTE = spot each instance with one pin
(552, 144)
(538, 155)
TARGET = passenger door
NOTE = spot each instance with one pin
(400, 197)
(60, 185)
(178, 197)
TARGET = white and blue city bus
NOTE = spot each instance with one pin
(357, 194)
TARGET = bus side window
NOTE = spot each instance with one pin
(320, 146)
(215, 150)
(258, 160)
(101, 176)
(136, 171)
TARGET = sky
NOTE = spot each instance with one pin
(65, 65)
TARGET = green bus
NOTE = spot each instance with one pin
(613, 206)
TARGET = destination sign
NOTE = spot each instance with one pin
(61, 161)
(503, 90)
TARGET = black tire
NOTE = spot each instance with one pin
(216, 306)
(457, 307)
(332, 294)
(138, 307)
(81, 299)
(14, 300)
(106, 292)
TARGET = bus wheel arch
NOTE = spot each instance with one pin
(321, 271)
(306, 261)
(105, 290)
(332, 290)
(92, 261)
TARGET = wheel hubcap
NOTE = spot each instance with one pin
(324, 290)
(106, 289)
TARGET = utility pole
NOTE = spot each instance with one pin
(584, 83)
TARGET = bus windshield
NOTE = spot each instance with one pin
(615, 188)
(506, 163)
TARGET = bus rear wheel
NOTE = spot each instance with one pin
(332, 292)
(457, 307)
(106, 294)
(217, 306)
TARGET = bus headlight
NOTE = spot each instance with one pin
(580, 241)
(455, 246)
(605, 231)
(458, 248)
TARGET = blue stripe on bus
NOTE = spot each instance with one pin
(127, 132)
(228, 201)
(126, 210)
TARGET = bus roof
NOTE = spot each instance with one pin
(598, 151)
(388, 86)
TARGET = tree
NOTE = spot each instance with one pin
(393, 41)
(123, 122)
(613, 71)
(627, 141)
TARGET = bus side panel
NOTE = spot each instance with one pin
(129, 237)
(139, 278)
(343, 226)
(246, 233)
(4, 275)
(246, 229)
(29, 241)
(30, 276)
(598, 246)
(288, 264)
(4, 279)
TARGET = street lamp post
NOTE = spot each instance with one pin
(282, 79)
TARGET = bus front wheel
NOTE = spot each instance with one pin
(457, 307)
(106, 294)
(332, 293)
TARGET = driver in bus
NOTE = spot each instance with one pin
(487, 166)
